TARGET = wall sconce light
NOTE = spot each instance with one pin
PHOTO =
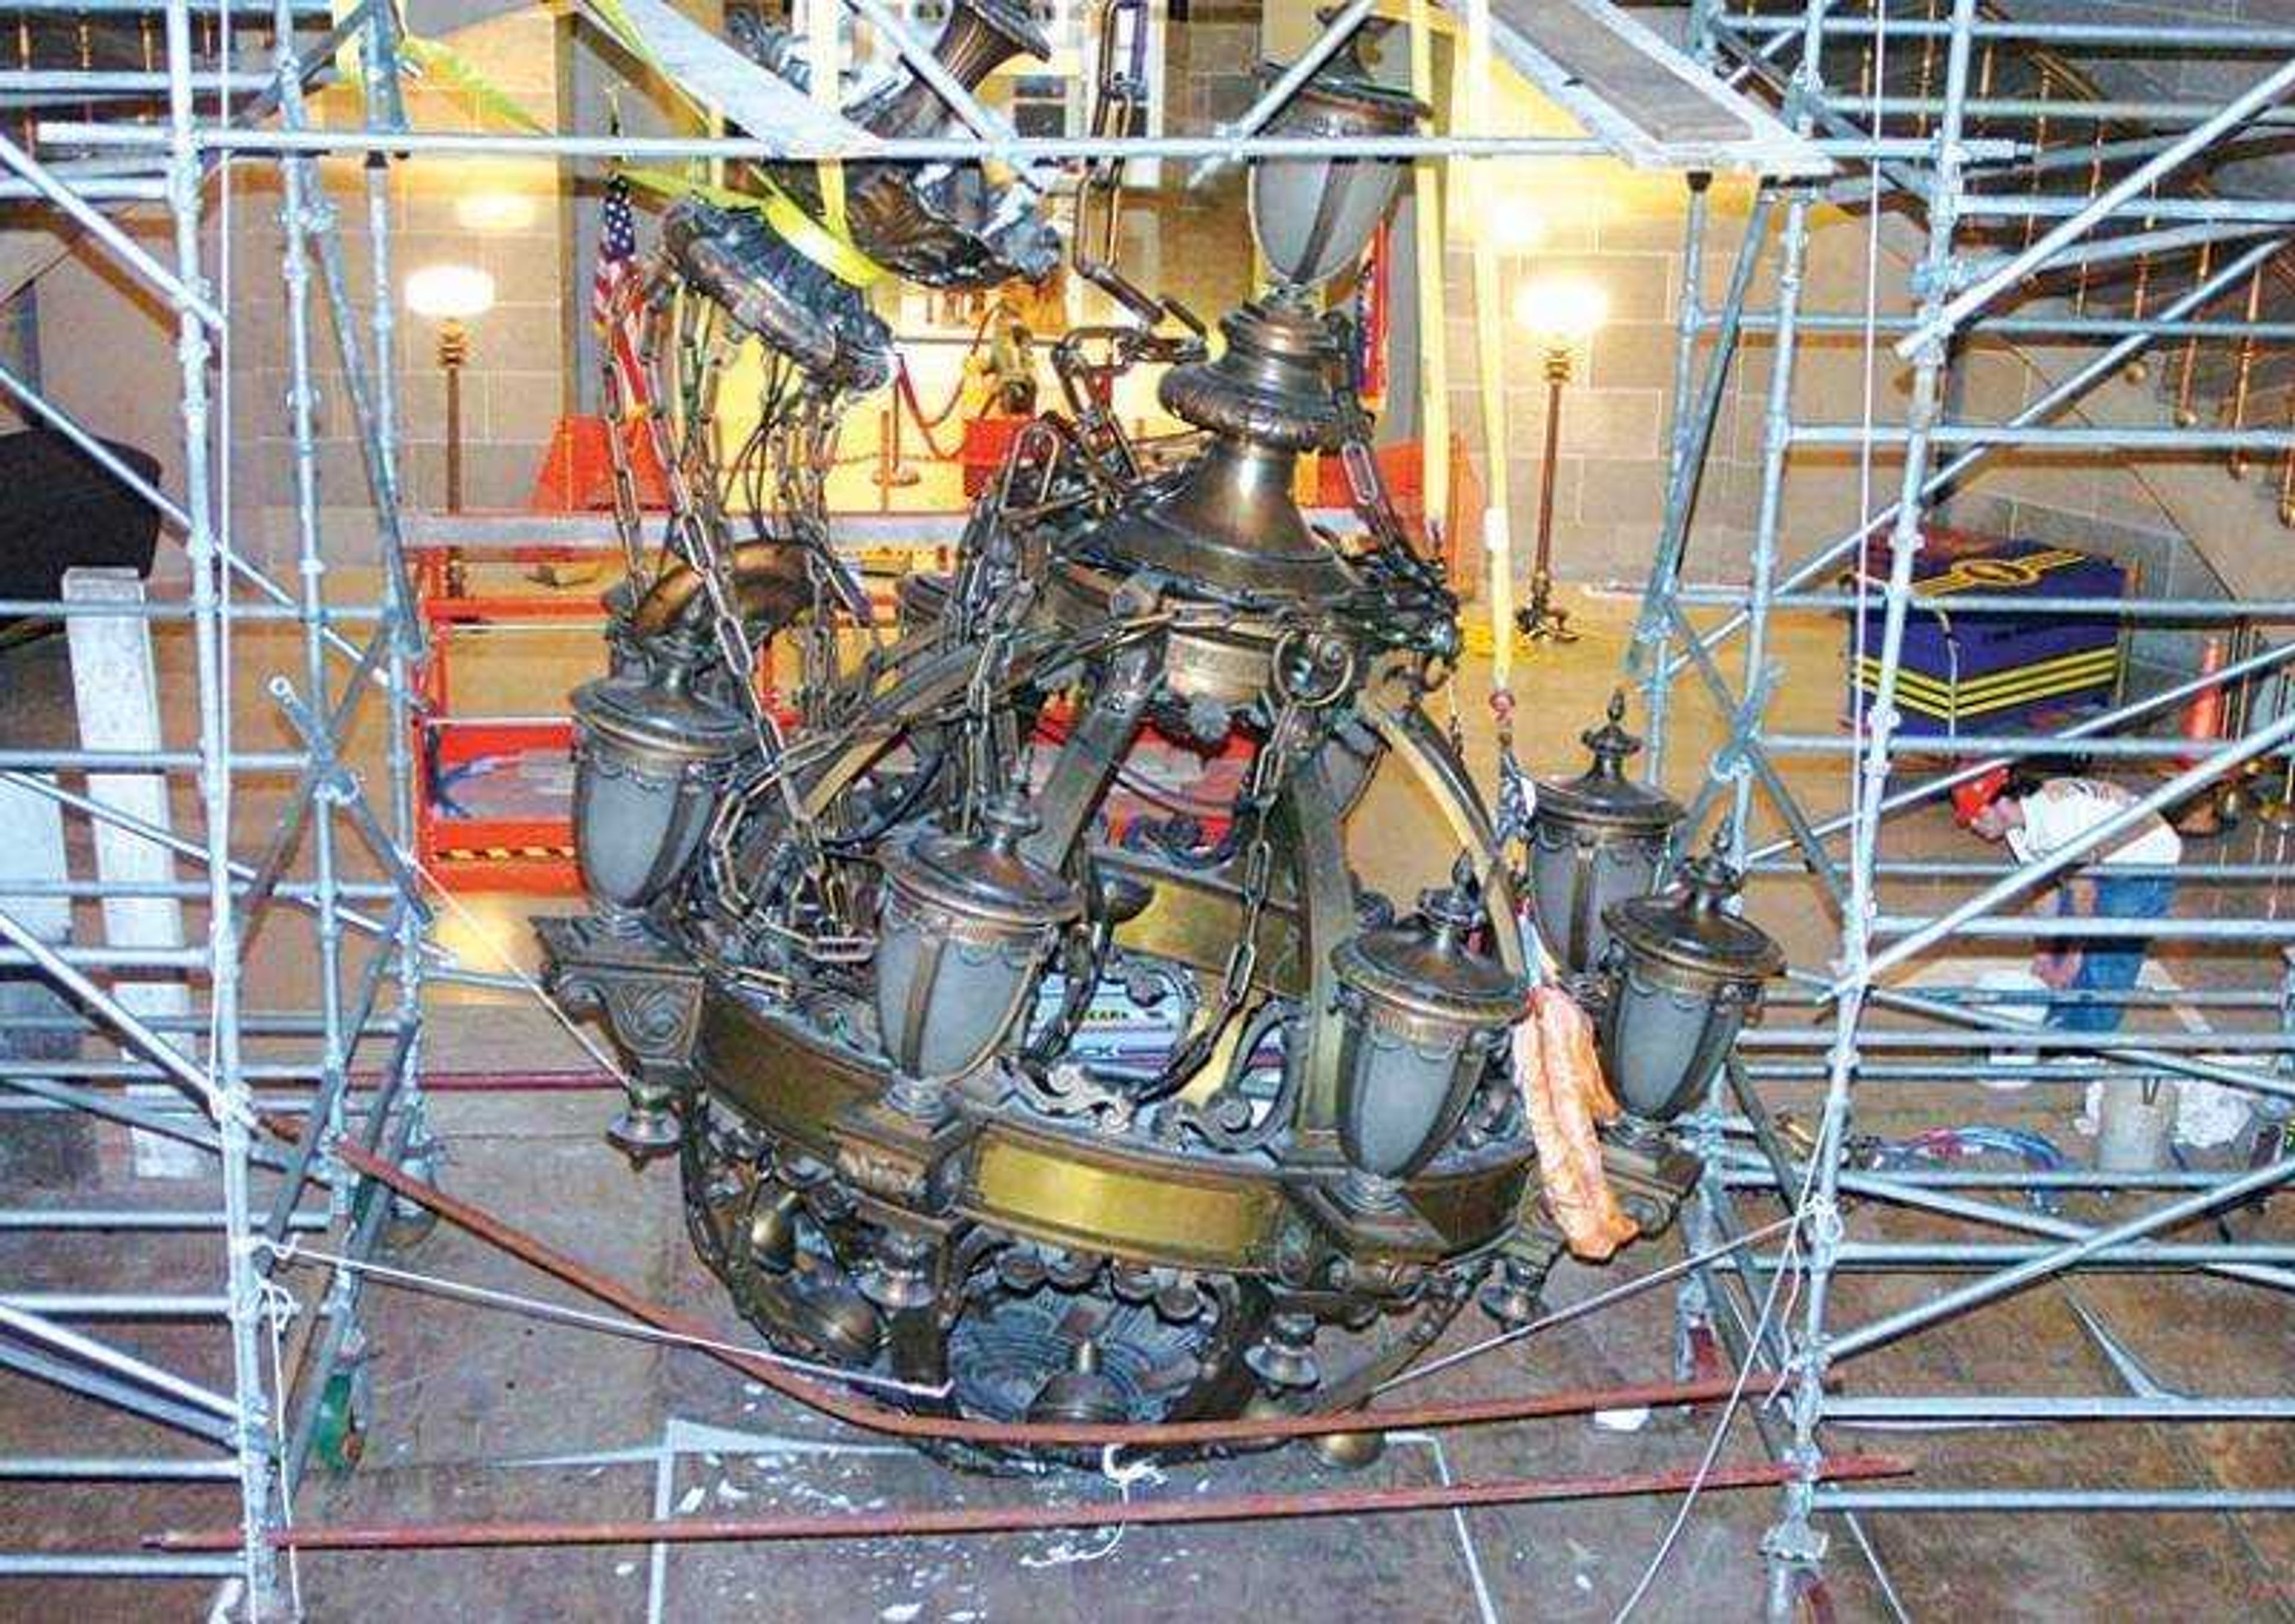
(452, 295)
(495, 210)
(1519, 226)
(1563, 312)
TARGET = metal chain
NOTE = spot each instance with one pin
(629, 524)
(1285, 746)
(700, 357)
(980, 693)
(1366, 485)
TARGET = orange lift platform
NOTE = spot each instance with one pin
(493, 807)
(494, 810)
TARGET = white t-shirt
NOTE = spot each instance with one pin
(2061, 810)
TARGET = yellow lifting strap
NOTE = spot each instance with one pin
(824, 244)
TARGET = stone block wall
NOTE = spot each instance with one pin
(1194, 242)
(500, 215)
(109, 353)
(1625, 234)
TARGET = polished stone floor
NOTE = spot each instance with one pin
(479, 1413)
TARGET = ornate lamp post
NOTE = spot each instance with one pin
(1563, 313)
(452, 295)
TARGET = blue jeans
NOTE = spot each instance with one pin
(2110, 964)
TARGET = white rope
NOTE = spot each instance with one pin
(486, 1296)
(1639, 1283)
(280, 1306)
(1769, 1306)
(1485, 1608)
(510, 966)
(1123, 1474)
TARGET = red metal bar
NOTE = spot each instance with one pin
(513, 608)
(900, 1424)
(531, 856)
(941, 1520)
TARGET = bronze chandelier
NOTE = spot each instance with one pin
(993, 1062)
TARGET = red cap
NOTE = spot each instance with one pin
(1979, 792)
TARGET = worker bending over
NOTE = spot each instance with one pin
(2038, 817)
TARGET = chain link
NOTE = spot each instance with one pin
(687, 351)
(629, 524)
(1289, 742)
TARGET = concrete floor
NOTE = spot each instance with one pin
(480, 1414)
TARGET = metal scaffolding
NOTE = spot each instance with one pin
(288, 842)
(309, 1113)
(2034, 207)
(2030, 206)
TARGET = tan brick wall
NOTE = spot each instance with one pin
(1625, 233)
(503, 216)
(512, 387)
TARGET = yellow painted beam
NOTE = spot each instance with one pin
(1473, 88)
(1434, 330)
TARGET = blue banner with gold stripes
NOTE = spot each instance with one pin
(1991, 670)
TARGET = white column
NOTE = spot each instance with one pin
(116, 689)
(32, 848)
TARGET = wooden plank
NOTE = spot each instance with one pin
(707, 69)
(1655, 107)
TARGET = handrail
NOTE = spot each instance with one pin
(2086, 89)
(2278, 269)
(2059, 76)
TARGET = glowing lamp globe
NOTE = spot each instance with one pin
(450, 292)
(1562, 309)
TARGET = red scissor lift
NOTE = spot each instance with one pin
(522, 843)
(525, 849)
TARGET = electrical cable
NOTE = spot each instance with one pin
(1792, 1222)
(1849, 1010)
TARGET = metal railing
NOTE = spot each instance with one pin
(2228, 363)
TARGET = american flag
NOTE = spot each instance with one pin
(613, 302)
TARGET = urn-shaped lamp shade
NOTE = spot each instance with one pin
(650, 756)
(1314, 216)
(963, 927)
(1423, 1012)
(1596, 840)
(1685, 973)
